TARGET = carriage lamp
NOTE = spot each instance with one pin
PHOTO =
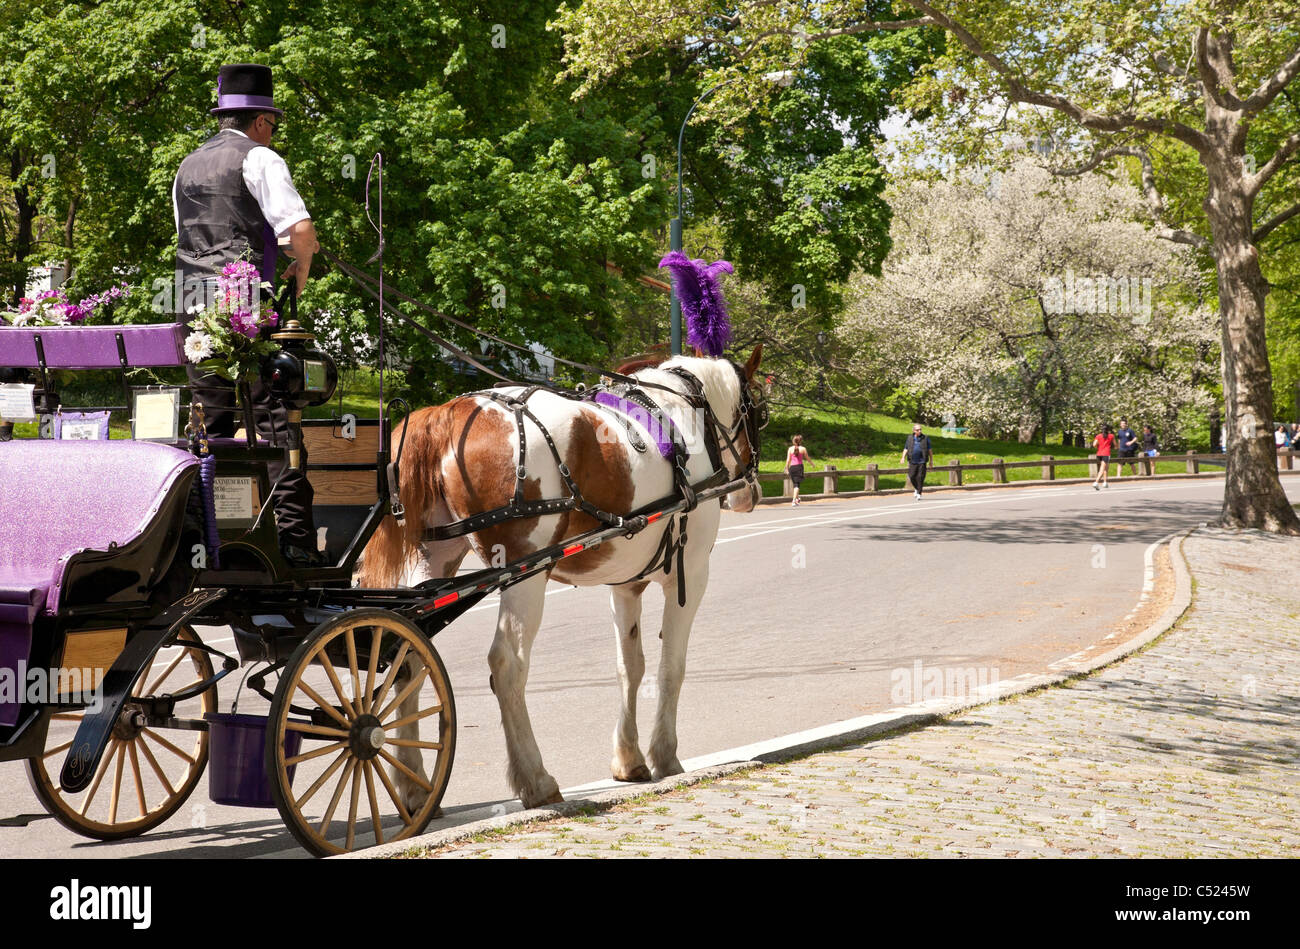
(298, 375)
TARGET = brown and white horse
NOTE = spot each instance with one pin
(460, 459)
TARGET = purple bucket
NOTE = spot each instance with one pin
(237, 759)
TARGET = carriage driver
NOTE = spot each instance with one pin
(233, 198)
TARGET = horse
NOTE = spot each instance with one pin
(460, 459)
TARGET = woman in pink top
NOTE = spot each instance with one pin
(1105, 443)
(795, 457)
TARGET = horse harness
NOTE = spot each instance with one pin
(751, 415)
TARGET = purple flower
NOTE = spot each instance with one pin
(77, 312)
(245, 323)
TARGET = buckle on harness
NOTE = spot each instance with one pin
(521, 473)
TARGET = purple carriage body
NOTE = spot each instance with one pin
(109, 494)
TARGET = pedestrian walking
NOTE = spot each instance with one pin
(917, 455)
(796, 457)
(1127, 440)
(1105, 445)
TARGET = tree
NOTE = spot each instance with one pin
(1025, 301)
(1112, 79)
(506, 202)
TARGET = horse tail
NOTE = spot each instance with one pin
(419, 478)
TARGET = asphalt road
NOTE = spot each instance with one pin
(813, 615)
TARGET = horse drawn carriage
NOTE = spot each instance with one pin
(116, 554)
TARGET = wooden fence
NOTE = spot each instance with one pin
(871, 474)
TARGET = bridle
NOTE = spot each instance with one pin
(751, 415)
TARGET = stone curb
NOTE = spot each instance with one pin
(990, 485)
(600, 800)
(808, 742)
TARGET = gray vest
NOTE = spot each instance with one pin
(220, 220)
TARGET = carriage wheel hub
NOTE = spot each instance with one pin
(367, 737)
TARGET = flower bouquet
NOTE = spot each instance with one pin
(227, 339)
(53, 308)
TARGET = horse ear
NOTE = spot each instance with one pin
(755, 358)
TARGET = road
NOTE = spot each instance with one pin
(813, 615)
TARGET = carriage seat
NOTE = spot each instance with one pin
(58, 498)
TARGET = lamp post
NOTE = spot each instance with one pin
(782, 78)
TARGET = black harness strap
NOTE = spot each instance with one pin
(518, 507)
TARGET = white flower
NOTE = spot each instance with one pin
(195, 308)
(21, 318)
(198, 346)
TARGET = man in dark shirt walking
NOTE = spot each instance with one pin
(1127, 441)
(917, 454)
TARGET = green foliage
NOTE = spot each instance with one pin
(508, 203)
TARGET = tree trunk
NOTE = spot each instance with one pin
(69, 229)
(26, 218)
(1252, 494)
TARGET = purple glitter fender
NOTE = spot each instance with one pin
(59, 498)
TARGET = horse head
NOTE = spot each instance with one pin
(737, 415)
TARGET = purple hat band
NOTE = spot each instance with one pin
(227, 103)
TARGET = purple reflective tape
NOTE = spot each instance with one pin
(658, 428)
(244, 102)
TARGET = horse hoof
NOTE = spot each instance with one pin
(668, 770)
(555, 797)
(639, 773)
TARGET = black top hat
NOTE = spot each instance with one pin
(243, 87)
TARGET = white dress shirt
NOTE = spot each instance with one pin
(267, 177)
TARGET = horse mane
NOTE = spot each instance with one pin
(630, 367)
(717, 376)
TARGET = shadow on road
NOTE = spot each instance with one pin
(1094, 527)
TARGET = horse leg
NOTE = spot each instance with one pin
(672, 665)
(412, 794)
(438, 559)
(517, 624)
(628, 763)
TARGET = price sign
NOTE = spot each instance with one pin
(235, 499)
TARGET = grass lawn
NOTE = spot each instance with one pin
(851, 440)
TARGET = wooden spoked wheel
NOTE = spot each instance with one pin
(145, 775)
(370, 701)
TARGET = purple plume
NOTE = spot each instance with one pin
(700, 292)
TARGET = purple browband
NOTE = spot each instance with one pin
(244, 102)
(658, 428)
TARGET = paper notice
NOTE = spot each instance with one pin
(156, 415)
(16, 403)
(81, 431)
(234, 499)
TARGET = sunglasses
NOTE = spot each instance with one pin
(274, 125)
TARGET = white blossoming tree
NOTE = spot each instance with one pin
(1026, 301)
(1198, 94)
